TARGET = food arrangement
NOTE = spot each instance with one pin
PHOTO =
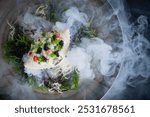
(48, 50)
(47, 47)
(45, 53)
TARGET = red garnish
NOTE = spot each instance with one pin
(35, 58)
(47, 51)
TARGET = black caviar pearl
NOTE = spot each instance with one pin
(56, 53)
(61, 43)
(53, 38)
(46, 46)
(39, 50)
(44, 58)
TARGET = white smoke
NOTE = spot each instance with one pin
(80, 59)
(73, 20)
(10, 87)
(30, 22)
(94, 51)
(135, 64)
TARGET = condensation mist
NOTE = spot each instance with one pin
(110, 64)
(133, 77)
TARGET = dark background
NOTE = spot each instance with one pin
(142, 90)
(137, 8)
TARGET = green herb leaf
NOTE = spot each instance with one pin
(53, 55)
(57, 47)
(84, 31)
(56, 42)
(40, 59)
(72, 83)
(44, 34)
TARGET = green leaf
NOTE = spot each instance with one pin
(33, 83)
(84, 31)
(56, 42)
(44, 34)
(57, 47)
(40, 88)
(72, 83)
(40, 59)
(53, 55)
